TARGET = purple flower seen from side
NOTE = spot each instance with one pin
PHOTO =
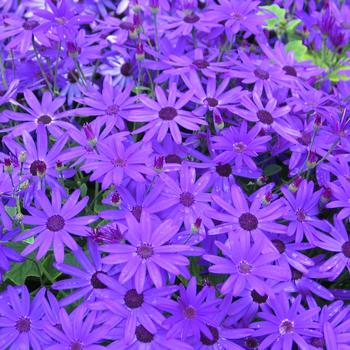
(54, 224)
(341, 194)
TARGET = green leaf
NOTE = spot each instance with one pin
(11, 211)
(337, 75)
(292, 25)
(272, 169)
(48, 268)
(279, 13)
(20, 271)
(138, 89)
(83, 190)
(299, 49)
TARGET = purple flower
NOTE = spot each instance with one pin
(130, 307)
(341, 193)
(20, 320)
(193, 313)
(45, 113)
(54, 223)
(267, 117)
(147, 253)
(302, 211)
(111, 106)
(246, 265)
(242, 218)
(115, 160)
(78, 331)
(239, 146)
(285, 323)
(166, 114)
(84, 281)
(337, 241)
(184, 199)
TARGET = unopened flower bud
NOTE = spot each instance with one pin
(73, 49)
(24, 185)
(293, 187)
(195, 227)
(267, 198)
(218, 121)
(312, 160)
(22, 156)
(318, 122)
(136, 6)
(262, 180)
(116, 199)
(140, 53)
(59, 166)
(137, 22)
(89, 134)
(326, 195)
(158, 164)
(154, 5)
(8, 165)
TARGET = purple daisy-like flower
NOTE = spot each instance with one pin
(239, 146)
(10, 92)
(285, 323)
(84, 281)
(242, 217)
(132, 308)
(77, 332)
(337, 241)
(37, 113)
(184, 199)
(193, 313)
(148, 251)
(267, 117)
(55, 223)
(247, 266)
(302, 211)
(166, 114)
(341, 193)
(20, 320)
(112, 105)
(115, 160)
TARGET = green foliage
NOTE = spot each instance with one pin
(272, 169)
(299, 49)
(280, 13)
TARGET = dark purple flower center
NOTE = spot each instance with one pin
(224, 170)
(143, 335)
(144, 251)
(38, 167)
(280, 246)
(305, 138)
(300, 215)
(186, 199)
(239, 147)
(132, 299)
(261, 74)
(296, 274)
(290, 70)
(137, 211)
(236, 15)
(211, 101)
(257, 298)
(346, 249)
(215, 336)
(95, 282)
(251, 343)
(126, 26)
(192, 18)
(2, 92)
(265, 116)
(119, 162)
(318, 343)
(173, 159)
(73, 76)
(76, 346)
(125, 69)
(244, 267)
(73, 48)
(44, 119)
(190, 312)
(286, 326)
(248, 221)
(112, 110)
(167, 113)
(30, 24)
(55, 223)
(201, 64)
(23, 324)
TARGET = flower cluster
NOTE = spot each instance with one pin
(174, 174)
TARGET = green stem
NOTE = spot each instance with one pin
(3, 77)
